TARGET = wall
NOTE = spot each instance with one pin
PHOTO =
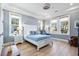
(1, 25)
(25, 20)
(74, 17)
(29, 24)
(73, 31)
(6, 26)
(29, 20)
(33, 21)
(28, 28)
(0, 11)
(1, 30)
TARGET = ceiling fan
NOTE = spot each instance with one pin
(46, 6)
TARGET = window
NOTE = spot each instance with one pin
(40, 25)
(15, 25)
(47, 28)
(64, 25)
(60, 26)
(53, 26)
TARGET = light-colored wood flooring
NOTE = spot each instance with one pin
(59, 48)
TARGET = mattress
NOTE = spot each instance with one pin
(37, 37)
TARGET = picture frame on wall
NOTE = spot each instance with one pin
(76, 24)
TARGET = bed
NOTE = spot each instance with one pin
(39, 40)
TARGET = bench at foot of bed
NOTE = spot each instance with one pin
(38, 47)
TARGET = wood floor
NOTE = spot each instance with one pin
(59, 48)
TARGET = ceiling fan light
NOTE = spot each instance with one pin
(46, 6)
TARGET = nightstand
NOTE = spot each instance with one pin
(18, 39)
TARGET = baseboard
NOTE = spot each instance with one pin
(8, 44)
(64, 40)
(12, 43)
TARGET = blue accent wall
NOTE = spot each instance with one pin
(25, 19)
(73, 31)
(6, 26)
(33, 21)
(61, 36)
(73, 18)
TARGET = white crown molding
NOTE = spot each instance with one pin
(19, 10)
(16, 10)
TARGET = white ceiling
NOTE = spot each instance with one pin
(36, 9)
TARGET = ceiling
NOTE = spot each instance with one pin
(56, 9)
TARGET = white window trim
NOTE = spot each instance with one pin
(13, 15)
(68, 27)
(59, 27)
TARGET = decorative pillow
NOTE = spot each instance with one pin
(32, 32)
(43, 32)
(37, 32)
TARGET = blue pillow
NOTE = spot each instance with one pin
(32, 32)
(43, 32)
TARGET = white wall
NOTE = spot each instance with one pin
(25, 20)
(28, 28)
